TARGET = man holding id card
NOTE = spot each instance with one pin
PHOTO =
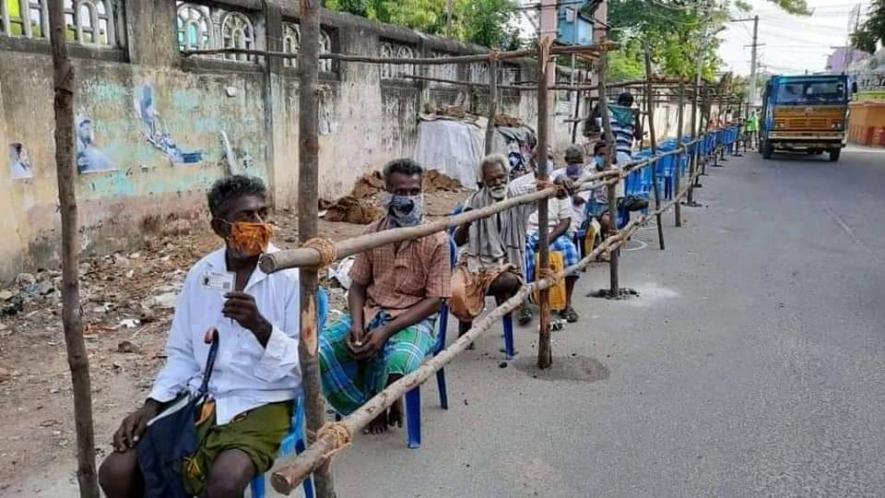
(257, 373)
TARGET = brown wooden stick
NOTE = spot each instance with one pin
(471, 84)
(545, 354)
(286, 479)
(302, 257)
(78, 357)
(649, 103)
(493, 105)
(455, 59)
(308, 181)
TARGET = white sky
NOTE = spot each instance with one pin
(791, 44)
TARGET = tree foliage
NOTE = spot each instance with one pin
(484, 22)
(674, 31)
(873, 29)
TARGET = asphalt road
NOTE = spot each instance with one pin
(752, 364)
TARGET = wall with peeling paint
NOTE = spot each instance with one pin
(163, 127)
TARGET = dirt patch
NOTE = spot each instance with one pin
(574, 368)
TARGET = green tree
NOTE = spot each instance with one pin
(872, 30)
(484, 22)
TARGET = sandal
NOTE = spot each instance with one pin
(569, 314)
(525, 316)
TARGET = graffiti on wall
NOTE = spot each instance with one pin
(155, 131)
(90, 157)
(20, 162)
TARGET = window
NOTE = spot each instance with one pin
(90, 22)
(390, 50)
(386, 53)
(291, 42)
(237, 32)
(201, 27)
(194, 28)
(479, 72)
(292, 45)
(444, 71)
(325, 48)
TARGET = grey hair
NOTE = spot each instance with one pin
(490, 160)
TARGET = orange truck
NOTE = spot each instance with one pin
(805, 114)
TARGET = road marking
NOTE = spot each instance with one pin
(842, 224)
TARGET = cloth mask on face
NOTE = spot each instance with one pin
(573, 171)
(498, 192)
(404, 210)
(250, 239)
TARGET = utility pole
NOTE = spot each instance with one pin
(752, 97)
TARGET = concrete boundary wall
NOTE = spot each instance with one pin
(155, 129)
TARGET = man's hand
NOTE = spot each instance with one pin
(355, 339)
(373, 345)
(134, 425)
(242, 308)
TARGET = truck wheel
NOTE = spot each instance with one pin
(767, 150)
(834, 154)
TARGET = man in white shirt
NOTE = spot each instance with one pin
(257, 373)
(561, 230)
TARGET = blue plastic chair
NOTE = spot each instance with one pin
(294, 442)
(413, 397)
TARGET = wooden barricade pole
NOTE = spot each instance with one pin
(650, 107)
(78, 356)
(614, 290)
(545, 355)
(493, 105)
(696, 157)
(308, 182)
(678, 172)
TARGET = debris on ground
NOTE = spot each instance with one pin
(363, 205)
(607, 294)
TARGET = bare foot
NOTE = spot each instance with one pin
(378, 425)
(395, 415)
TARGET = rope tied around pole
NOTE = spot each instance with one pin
(326, 249)
(337, 432)
(550, 274)
(494, 56)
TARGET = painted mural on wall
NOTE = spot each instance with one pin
(155, 131)
(20, 162)
(90, 157)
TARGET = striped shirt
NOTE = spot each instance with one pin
(623, 128)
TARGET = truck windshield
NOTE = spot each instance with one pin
(811, 92)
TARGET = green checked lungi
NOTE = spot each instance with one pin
(348, 383)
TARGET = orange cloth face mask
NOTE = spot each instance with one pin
(250, 239)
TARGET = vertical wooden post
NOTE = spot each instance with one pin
(677, 181)
(308, 184)
(545, 354)
(650, 108)
(602, 67)
(493, 104)
(78, 357)
(577, 112)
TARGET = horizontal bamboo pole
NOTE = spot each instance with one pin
(286, 479)
(306, 256)
(455, 59)
(464, 83)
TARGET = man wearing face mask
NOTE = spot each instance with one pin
(256, 375)
(394, 299)
(491, 261)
